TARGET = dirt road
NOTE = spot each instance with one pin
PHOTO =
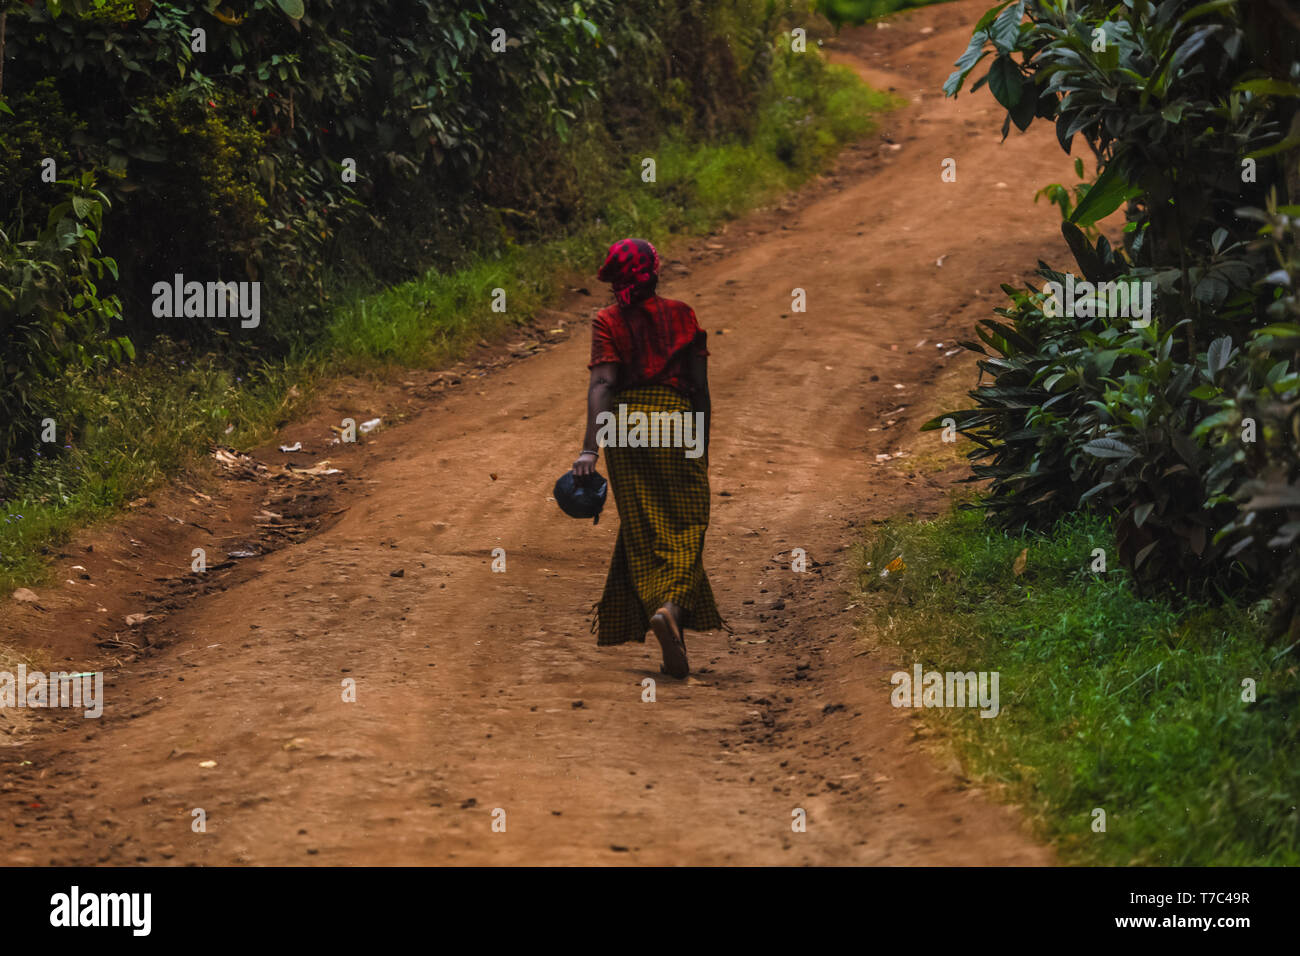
(478, 691)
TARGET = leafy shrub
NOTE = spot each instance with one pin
(52, 315)
(1095, 412)
(1267, 526)
(228, 163)
(417, 93)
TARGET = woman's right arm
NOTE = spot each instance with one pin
(600, 398)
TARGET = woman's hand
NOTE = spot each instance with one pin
(585, 465)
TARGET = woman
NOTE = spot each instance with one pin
(648, 355)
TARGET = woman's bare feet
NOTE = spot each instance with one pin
(666, 623)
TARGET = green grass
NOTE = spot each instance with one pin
(1112, 700)
(137, 426)
(860, 11)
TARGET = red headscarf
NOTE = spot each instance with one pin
(632, 268)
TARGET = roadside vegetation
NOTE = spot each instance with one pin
(1158, 684)
(228, 164)
(1132, 704)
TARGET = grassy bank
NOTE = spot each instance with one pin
(1109, 699)
(139, 425)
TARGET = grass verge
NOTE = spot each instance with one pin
(136, 426)
(1110, 700)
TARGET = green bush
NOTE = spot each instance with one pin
(52, 315)
(1091, 412)
(235, 162)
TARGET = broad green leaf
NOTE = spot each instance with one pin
(1268, 87)
(1006, 28)
(1004, 81)
(1288, 143)
(1108, 193)
(990, 15)
(966, 62)
(1281, 330)
(1109, 448)
(1217, 355)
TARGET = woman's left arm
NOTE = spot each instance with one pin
(698, 366)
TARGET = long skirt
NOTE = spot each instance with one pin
(663, 510)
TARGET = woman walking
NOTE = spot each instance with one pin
(648, 356)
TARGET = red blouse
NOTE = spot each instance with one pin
(650, 340)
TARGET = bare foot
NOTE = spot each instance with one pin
(664, 624)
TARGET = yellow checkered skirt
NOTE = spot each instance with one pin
(663, 512)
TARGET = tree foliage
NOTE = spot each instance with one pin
(305, 143)
(1180, 429)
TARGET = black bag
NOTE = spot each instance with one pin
(581, 497)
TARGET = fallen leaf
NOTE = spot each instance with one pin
(1021, 560)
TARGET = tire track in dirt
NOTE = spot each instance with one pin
(478, 690)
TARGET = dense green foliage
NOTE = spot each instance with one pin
(52, 316)
(1185, 429)
(1108, 700)
(320, 145)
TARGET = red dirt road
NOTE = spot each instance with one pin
(478, 690)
